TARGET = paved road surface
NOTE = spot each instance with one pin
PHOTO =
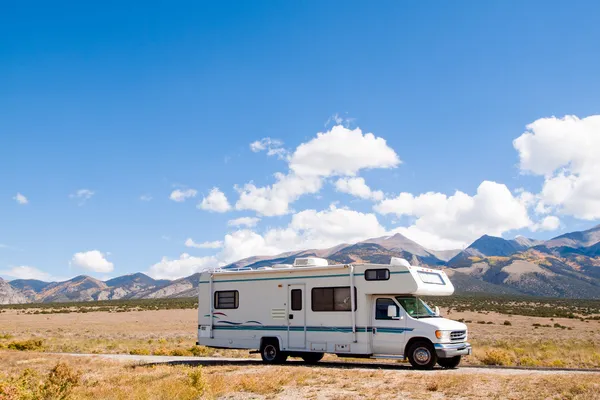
(208, 361)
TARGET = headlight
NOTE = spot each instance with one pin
(443, 335)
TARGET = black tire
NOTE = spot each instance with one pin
(449, 363)
(312, 358)
(270, 353)
(422, 355)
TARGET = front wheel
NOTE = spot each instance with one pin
(312, 358)
(422, 355)
(449, 363)
(271, 354)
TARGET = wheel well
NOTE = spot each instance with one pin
(413, 340)
(270, 339)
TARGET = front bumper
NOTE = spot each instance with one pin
(452, 349)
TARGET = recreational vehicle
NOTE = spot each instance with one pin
(351, 310)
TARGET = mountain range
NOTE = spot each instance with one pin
(565, 266)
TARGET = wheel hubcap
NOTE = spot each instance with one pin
(270, 352)
(422, 355)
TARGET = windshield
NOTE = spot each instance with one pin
(416, 307)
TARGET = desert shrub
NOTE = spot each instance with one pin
(5, 336)
(140, 352)
(180, 352)
(60, 382)
(160, 352)
(507, 323)
(26, 345)
(490, 323)
(199, 351)
(197, 380)
(496, 357)
(57, 385)
(481, 322)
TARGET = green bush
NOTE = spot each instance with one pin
(26, 345)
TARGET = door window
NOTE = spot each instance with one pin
(296, 299)
(381, 308)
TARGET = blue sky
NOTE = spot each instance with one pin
(124, 101)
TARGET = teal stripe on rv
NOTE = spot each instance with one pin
(343, 329)
(295, 277)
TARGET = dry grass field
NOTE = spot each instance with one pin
(27, 375)
(29, 371)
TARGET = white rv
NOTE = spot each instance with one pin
(311, 308)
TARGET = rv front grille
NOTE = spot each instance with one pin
(457, 336)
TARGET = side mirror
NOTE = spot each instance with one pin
(392, 312)
(437, 311)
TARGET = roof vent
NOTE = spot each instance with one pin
(310, 262)
(399, 261)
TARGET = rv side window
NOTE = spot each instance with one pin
(296, 299)
(332, 299)
(226, 299)
(381, 308)
(377, 274)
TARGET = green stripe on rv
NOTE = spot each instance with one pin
(294, 277)
(342, 329)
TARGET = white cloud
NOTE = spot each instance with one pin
(244, 221)
(274, 147)
(215, 201)
(340, 151)
(185, 265)
(92, 260)
(307, 229)
(145, 197)
(20, 199)
(26, 272)
(180, 195)
(565, 152)
(82, 195)
(357, 187)
(549, 223)
(205, 245)
(275, 199)
(444, 222)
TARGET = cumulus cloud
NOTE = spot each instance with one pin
(92, 260)
(20, 199)
(26, 272)
(342, 151)
(244, 221)
(205, 245)
(337, 152)
(565, 152)
(185, 265)
(275, 199)
(357, 187)
(181, 195)
(216, 201)
(455, 221)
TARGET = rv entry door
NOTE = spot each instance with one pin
(296, 316)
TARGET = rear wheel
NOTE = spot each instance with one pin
(270, 353)
(312, 358)
(422, 355)
(451, 362)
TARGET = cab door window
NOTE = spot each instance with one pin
(381, 308)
